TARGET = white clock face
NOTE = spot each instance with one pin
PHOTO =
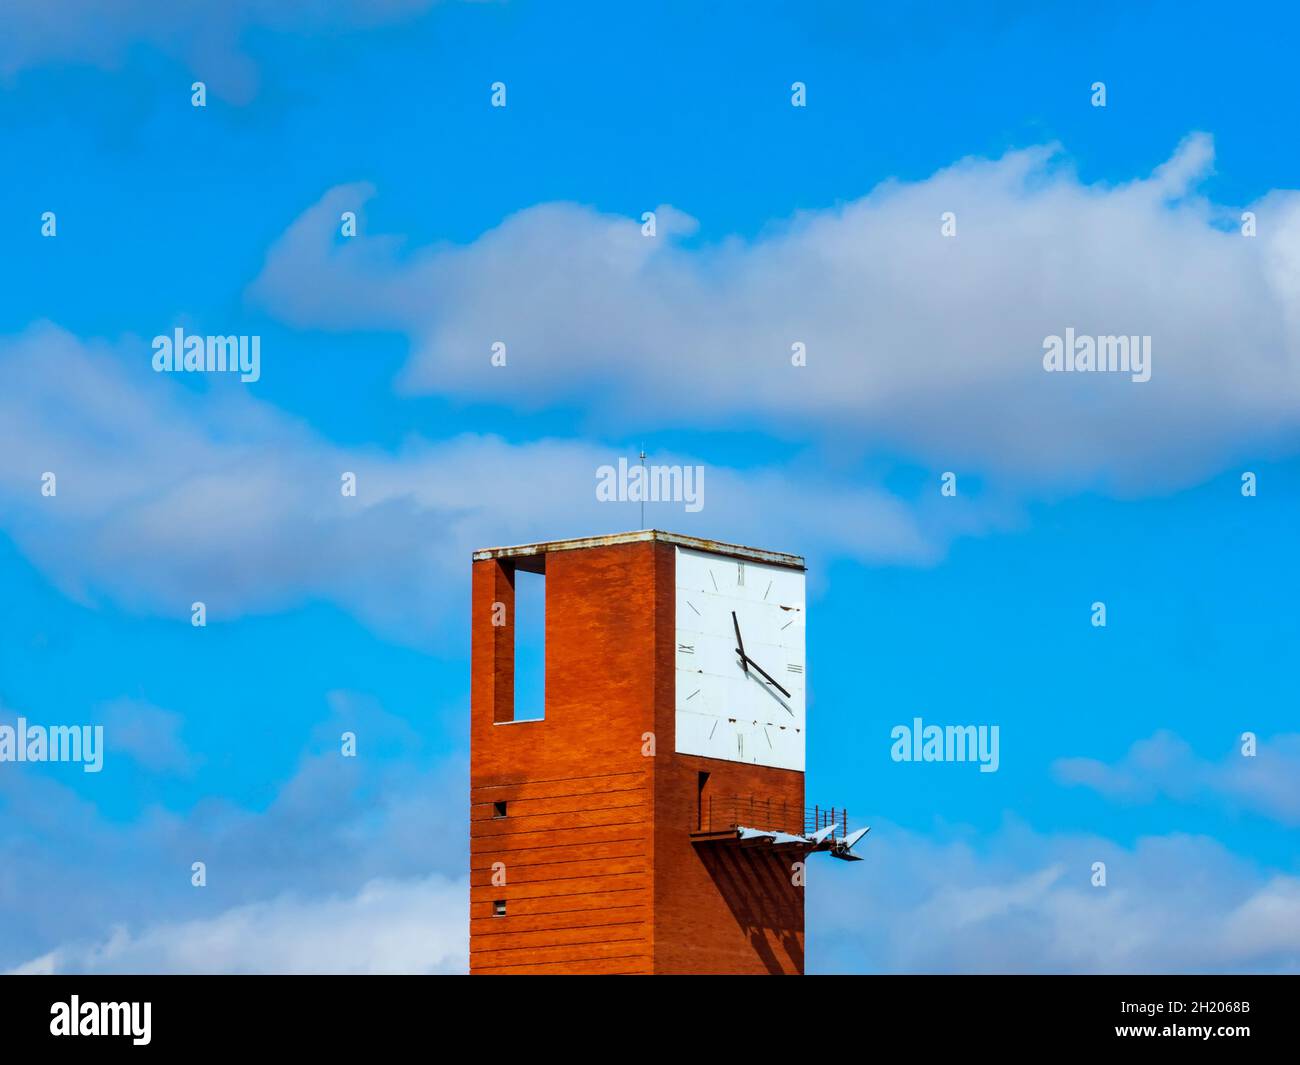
(740, 705)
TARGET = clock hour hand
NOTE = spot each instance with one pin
(740, 650)
(766, 674)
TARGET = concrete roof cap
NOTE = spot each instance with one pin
(718, 547)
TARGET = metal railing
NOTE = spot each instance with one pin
(723, 813)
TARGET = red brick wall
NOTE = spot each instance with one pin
(576, 838)
(602, 876)
(723, 909)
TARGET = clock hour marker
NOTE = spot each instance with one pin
(714, 580)
(686, 648)
(794, 668)
(692, 606)
(693, 695)
(740, 574)
(769, 588)
(787, 624)
(713, 730)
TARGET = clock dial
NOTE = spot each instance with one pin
(740, 660)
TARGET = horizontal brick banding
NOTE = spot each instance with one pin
(508, 842)
(563, 958)
(577, 868)
(522, 809)
(525, 939)
(633, 965)
(576, 918)
(594, 784)
(547, 857)
(573, 902)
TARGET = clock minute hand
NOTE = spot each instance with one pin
(765, 673)
(740, 650)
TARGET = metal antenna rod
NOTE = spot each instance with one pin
(643, 486)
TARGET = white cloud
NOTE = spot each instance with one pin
(167, 496)
(1017, 901)
(1165, 765)
(149, 735)
(206, 36)
(929, 345)
(73, 872)
(389, 926)
(336, 876)
(1014, 901)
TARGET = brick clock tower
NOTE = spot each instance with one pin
(654, 819)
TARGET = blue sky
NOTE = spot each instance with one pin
(776, 224)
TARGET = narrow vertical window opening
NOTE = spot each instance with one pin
(530, 645)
